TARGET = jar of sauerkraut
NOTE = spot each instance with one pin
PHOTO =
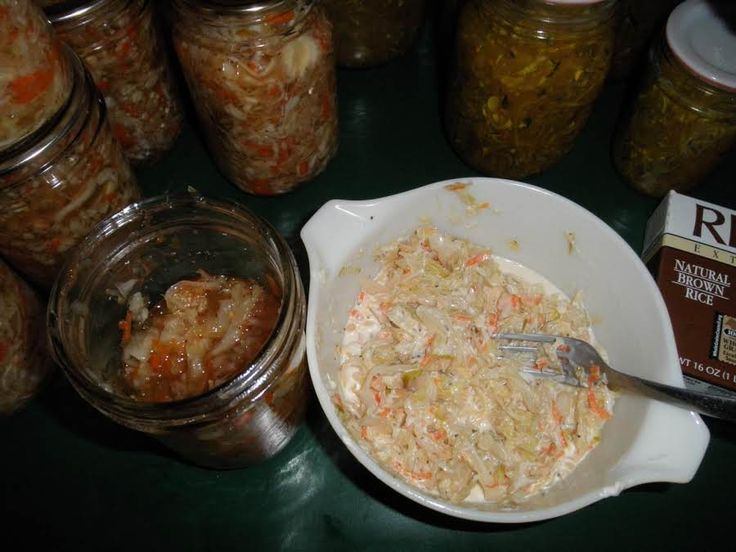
(526, 76)
(55, 187)
(122, 46)
(183, 318)
(35, 76)
(683, 119)
(371, 32)
(24, 361)
(262, 77)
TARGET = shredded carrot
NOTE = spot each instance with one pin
(377, 397)
(28, 87)
(426, 360)
(123, 135)
(268, 397)
(155, 360)
(556, 416)
(280, 18)
(515, 302)
(126, 326)
(477, 259)
(462, 317)
(438, 435)
(596, 408)
(52, 246)
(594, 375)
(456, 187)
(418, 475)
(541, 364)
(364, 432)
(302, 168)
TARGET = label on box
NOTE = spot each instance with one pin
(690, 247)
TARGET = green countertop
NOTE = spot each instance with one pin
(72, 479)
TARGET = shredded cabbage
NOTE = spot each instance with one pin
(425, 390)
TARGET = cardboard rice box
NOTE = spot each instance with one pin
(690, 247)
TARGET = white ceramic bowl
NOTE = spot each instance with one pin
(644, 441)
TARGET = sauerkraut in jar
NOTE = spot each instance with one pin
(203, 333)
(424, 388)
(525, 78)
(683, 120)
(183, 317)
(371, 32)
(262, 77)
(35, 79)
(121, 45)
(24, 360)
(54, 190)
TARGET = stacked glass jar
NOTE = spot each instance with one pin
(526, 75)
(123, 49)
(371, 32)
(684, 117)
(262, 76)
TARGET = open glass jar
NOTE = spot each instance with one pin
(35, 79)
(123, 49)
(58, 184)
(526, 75)
(262, 77)
(683, 119)
(24, 360)
(216, 369)
(371, 32)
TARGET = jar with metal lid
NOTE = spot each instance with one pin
(56, 187)
(371, 32)
(183, 318)
(525, 79)
(123, 48)
(24, 361)
(262, 77)
(683, 119)
(35, 79)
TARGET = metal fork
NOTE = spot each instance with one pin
(576, 357)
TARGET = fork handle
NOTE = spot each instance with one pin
(704, 403)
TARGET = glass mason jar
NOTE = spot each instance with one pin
(149, 319)
(683, 119)
(371, 32)
(57, 186)
(35, 79)
(526, 75)
(262, 77)
(24, 361)
(638, 22)
(123, 49)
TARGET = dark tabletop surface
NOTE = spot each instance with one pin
(72, 479)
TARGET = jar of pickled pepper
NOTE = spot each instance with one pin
(35, 76)
(371, 32)
(683, 119)
(262, 76)
(122, 47)
(525, 79)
